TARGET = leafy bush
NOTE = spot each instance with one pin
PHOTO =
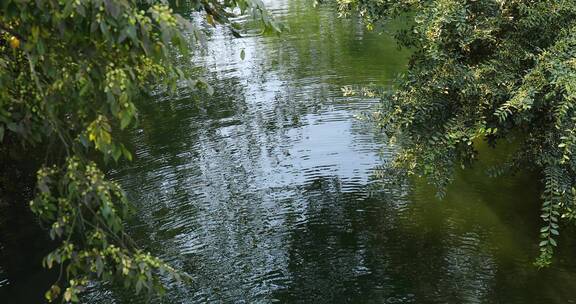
(486, 70)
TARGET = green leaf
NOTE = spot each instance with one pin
(139, 284)
(126, 119)
(126, 153)
(116, 153)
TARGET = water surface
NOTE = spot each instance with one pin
(265, 191)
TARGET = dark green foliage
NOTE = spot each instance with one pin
(486, 70)
(71, 72)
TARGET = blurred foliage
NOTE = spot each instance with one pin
(489, 70)
(71, 73)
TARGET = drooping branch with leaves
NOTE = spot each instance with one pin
(71, 73)
(490, 71)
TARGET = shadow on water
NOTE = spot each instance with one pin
(22, 247)
(23, 243)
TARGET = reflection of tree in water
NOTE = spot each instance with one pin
(220, 194)
(357, 249)
(229, 188)
(346, 250)
(339, 51)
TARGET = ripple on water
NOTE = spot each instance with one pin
(265, 192)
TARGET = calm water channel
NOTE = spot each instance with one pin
(264, 192)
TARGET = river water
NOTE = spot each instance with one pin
(265, 192)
